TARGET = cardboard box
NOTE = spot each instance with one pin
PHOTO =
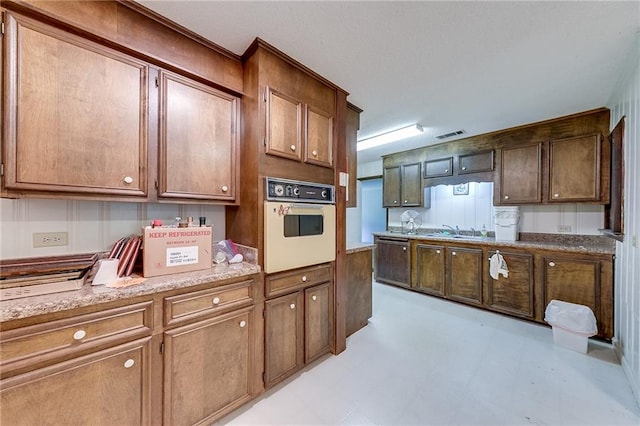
(173, 250)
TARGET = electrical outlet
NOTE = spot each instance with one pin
(564, 228)
(50, 239)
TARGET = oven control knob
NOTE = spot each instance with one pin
(296, 191)
(278, 190)
(324, 193)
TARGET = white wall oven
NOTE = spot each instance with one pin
(299, 224)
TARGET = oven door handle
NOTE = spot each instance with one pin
(307, 206)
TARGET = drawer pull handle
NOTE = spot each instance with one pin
(79, 335)
(314, 297)
(293, 147)
(552, 264)
(129, 363)
(128, 180)
(304, 278)
(216, 300)
(243, 324)
(292, 306)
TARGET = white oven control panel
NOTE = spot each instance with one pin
(293, 190)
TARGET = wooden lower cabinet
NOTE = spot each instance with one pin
(359, 290)
(207, 366)
(108, 387)
(298, 330)
(393, 261)
(460, 272)
(513, 294)
(464, 274)
(429, 269)
(582, 280)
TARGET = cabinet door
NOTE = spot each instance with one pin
(475, 163)
(393, 262)
(198, 140)
(319, 148)
(76, 114)
(572, 280)
(207, 368)
(464, 282)
(284, 334)
(574, 169)
(318, 328)
(430, 272)
(110, 387)
(513, 294)
(521, 175)
(391, 187)
(411, 185)
(284, 125)
(438, 168)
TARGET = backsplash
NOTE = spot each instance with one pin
(91, 226)
(476, 209)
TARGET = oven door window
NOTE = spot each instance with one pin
(301, 225)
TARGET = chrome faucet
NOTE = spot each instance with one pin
(455, 231)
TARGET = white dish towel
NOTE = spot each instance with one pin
(498, 266)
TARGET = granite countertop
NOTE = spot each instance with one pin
(354, 247)
(91, 295)
(594, 244)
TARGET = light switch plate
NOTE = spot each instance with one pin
(564, 228)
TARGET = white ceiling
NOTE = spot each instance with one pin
(478, 66)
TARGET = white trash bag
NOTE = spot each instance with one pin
(571, 317)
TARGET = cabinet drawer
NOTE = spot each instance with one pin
(287, 281)
(206, 302)
(34, 345)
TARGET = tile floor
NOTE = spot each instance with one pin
(425, 361)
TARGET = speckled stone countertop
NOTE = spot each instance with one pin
(353, 247)
(594, 244)
(91, 295)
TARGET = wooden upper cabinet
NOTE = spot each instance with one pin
(521, 175)
(475, 162)
(75, 114)
(284, 125)
(294, 127)
(402, 185)
(198, 140)
(574, 169)
(391, 180)
(438, 168)
(319, 137)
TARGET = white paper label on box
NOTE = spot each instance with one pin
(178, 256)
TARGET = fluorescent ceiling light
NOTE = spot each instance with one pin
(392, 136)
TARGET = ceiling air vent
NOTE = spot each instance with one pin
(448, 135)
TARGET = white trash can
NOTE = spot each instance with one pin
(572, 324)
(506, 222)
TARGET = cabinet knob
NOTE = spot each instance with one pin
(293, 147)
(446, 170)
(216, 300)
(225, 188)
(292, 306)
(79, 335)
(506, 197)
(438, 251)
(314, 153)
(404, 249)
(243, 324)
(453, 253)
(552, 264)
(304, 278)
(406, 201)
(556, 195)
(464, 168)
(128, 180)
(314, 297)
(395, 202)
(129, 363)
